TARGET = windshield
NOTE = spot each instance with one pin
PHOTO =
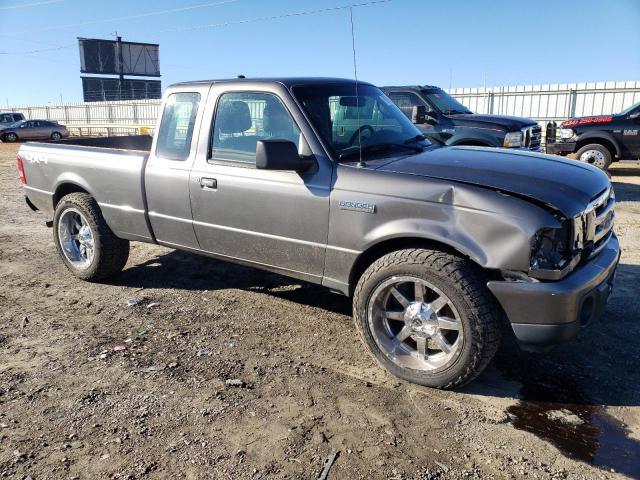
(631, 109)
(445, 102)
(369, 123)
(17, 124)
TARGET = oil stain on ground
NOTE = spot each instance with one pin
(554, 407)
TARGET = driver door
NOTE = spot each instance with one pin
(631, 134)
(273, 219)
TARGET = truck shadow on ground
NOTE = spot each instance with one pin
(186, 271)
(626, 192)
(562, 395)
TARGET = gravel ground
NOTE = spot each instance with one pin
(226, 372)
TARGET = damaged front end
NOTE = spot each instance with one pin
(552, 255)
(556, 252)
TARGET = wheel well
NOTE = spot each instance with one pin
(608, 144)
(66, 189)
(378, 250)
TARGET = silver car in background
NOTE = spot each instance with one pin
(33, 130)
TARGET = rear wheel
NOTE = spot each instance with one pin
(56, 136)
(427, 317)
(596, 155)
(84, 241)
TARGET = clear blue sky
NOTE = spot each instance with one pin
(402, 41)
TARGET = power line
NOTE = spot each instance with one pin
(273, 17)
(61, 47)
(27, 5)
(131, 17)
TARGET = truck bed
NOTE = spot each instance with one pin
(110, 169)
(140, 143)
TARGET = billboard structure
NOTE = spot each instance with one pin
(101, 89)
(108, 57)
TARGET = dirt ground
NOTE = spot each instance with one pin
(157, 405)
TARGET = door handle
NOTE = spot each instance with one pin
(210, 183)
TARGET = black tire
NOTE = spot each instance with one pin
(110, 252)
(596, 155)
(55, 136)
(464, 284)
(11, 137)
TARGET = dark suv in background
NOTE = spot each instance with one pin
(448, 122)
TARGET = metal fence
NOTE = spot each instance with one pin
(98, 118)
(551, 103)
(543, 103)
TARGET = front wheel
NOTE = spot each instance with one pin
(427, 317)
(86, 244)
(11, 137)
(595, 154)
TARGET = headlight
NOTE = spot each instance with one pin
(551, 255)
(512, 139)
(566, 133)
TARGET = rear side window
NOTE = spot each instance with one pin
(176, 126)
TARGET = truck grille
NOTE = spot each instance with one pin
(531, 137)
(594, 227)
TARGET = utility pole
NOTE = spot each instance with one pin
(120, 65)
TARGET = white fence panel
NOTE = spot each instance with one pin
(543, 103)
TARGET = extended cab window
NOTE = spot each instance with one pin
(243, 118)
(176, 126)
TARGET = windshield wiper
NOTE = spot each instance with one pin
(456, 112)
(417, 138)
(378, 147)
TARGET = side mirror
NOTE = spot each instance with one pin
(281, 155)
(419, 115)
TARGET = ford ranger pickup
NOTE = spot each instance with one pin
(439, 247)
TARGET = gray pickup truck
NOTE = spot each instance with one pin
(438, 246)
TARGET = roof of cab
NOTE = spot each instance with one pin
(414, 87)
(286, 81)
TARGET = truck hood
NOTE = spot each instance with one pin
(509, 124)
(566, 185)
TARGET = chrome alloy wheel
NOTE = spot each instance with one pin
(76, 238)
(415, 324)
(594, 157)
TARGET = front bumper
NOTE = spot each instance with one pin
(546, 313)
(560, 148)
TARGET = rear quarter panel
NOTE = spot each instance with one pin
(113, 177)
